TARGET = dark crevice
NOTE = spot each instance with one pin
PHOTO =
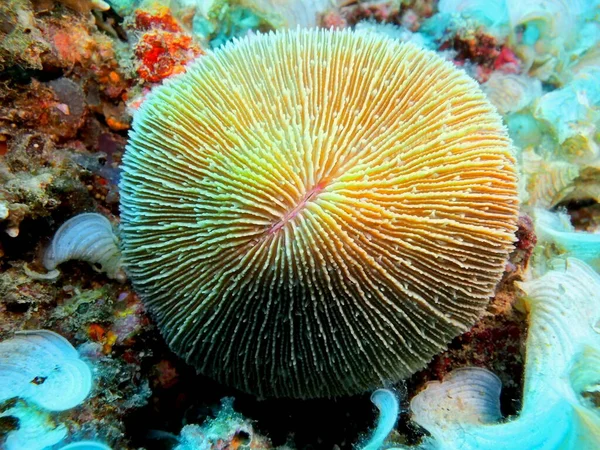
(19, 75)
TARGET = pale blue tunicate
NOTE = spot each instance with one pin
(42, 373)
(43, 368)
(36, 430)
(387, 403)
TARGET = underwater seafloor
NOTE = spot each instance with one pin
(73, 73)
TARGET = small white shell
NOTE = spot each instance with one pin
(87, 237)
(470, 395)
(42, 367)
(548, 181)
(510, 92)
(37, 430)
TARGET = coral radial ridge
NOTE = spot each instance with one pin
(310, 213)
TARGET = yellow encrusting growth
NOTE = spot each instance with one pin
(309, 213)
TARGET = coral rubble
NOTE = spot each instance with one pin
(228, 430)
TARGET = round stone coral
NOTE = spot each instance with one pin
(314, 213)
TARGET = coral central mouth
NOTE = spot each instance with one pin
(311, 194)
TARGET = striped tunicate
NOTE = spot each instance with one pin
(310, 213)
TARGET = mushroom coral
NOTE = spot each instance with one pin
(309, 213)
